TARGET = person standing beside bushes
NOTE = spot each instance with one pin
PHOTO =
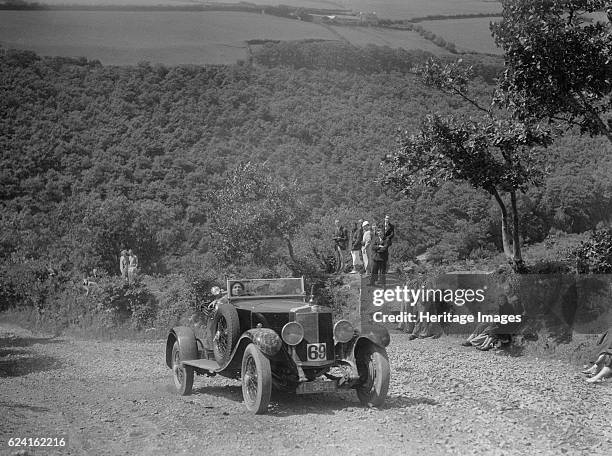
(340, 245)
(356, 237)
(132, 266)
(366, 248)
(123, 264)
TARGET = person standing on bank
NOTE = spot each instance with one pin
(341, 244)
(123, 264)
(388, 233)
(366, 246)
(380, 256)
(356, 237)
(132, 266)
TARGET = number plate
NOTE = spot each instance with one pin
(321, 386)
(316, 352)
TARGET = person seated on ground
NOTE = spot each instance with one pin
(495, 335)
(602, 366)
(485, 337)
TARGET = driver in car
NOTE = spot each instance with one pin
(238, 289)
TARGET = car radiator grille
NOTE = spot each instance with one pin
(318, 329)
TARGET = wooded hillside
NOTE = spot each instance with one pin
(98, 158)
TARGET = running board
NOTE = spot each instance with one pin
(209, 365)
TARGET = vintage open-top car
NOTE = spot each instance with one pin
(269, 334)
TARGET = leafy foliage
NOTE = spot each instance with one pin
(558, 63)
(595, 254)
(488, 154)
(252, 211)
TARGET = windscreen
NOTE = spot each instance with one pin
(266, 287)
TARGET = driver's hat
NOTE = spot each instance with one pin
(365, 223)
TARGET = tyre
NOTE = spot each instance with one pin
(374, 375)
(183, 375)
(256, 380)
(227, 330)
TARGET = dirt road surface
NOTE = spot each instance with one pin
(116, 398)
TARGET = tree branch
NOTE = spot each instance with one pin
(588, 108)
(472, 102)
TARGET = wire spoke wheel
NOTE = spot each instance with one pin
(375, 374)
(221, 337)
(183, 375)
(250, 379)
(256, 380)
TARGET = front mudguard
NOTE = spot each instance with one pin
(377, 334)
(187, 344)
(370, 335)
(265, 339)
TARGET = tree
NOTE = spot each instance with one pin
(490, 152)
(558, 62)
(251, 212)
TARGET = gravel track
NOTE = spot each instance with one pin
(115, 398)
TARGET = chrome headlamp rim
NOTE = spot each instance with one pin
(215, 291)
(292, 338)
(343, 331)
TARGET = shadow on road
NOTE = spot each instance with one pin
(8, 340)
(17, 360)
(405, 402)
(288, 404)
(283, 404)
(233, 393)
(14, 407)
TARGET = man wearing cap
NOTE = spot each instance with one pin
(366, 249)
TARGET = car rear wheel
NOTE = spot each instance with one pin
(256, 380)
(374, 374)
(227, 331)
(183, 375)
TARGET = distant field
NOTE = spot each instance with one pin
(468, 34)
(396, 9)
(114, 2)
(407, 9)
(325, 4)
(361, 36)
(122, 38)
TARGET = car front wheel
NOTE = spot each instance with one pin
(183, 375)
(256, 380)
(374, 374)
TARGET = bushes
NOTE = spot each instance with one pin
(595, 254)
(28, 283)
